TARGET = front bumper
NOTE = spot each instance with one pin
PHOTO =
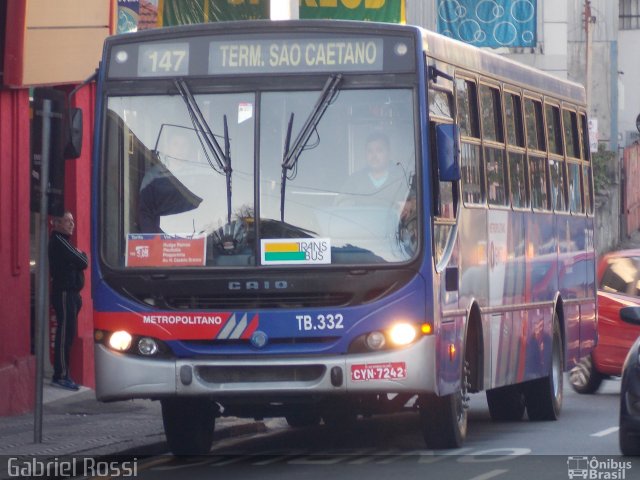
(121, 377)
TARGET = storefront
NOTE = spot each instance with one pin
(41, 44)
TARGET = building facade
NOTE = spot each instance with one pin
(52, 44)
(628, 71)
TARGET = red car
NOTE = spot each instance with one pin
(618, 287)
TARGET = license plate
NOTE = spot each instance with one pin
(378, 371)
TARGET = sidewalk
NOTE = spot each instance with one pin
(75, 423)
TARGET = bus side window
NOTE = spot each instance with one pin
(440, 104)
(557, 185)
(539, 191)
(536, 147)
(515, 150)
(513, 119)
(441, 111)
(535, 125)
(491, 114)
(571, 137)
(586, 165)
(467, 105)
(571, 140)
(553, 129)
(585, 144)
(470, 157)
(493, 138)
(556, 162)
(575, 191)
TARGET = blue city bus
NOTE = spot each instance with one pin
(319, 220)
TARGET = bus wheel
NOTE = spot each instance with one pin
(303, 417)
(543, 396)
(339, 413)
(189, 424)
(506, 403)
(444, 419)
(629, 443)
(584, 377)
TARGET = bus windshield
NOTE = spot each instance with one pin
(346, 195)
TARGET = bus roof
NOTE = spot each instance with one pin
(439, 47)
(238, 27)
(490, 64)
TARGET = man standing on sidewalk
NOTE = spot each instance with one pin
(66, 265)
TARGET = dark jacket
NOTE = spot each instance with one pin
(66, 264)
(359, 190)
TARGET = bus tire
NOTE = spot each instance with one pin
(543, 397)
(189, 424)
(506, 404)
(339, 413)
(303, 417)
(584, 378)
(339, 420)
(443, 420)
(629, 442)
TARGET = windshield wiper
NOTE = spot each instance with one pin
(207, 139)
(292, 153)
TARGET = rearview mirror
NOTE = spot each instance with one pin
(73, 139)
(448, 152)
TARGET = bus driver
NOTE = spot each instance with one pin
(380, 183)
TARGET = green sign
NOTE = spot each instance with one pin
(390, 11)
(183, 12)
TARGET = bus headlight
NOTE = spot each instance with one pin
(120, 341)
(147, 346)
(375, 340)
(402, 334)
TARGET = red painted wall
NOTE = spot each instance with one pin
(78, 200)
(17, 365)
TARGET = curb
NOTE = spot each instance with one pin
(153, 448)
(161, 447)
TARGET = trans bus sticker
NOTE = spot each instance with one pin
(296, 251)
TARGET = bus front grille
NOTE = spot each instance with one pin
(258, 374)
(228, 301)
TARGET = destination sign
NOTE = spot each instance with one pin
(259, 54)
(163, 59)
(299, 55)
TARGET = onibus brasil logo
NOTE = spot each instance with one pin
(597, 469)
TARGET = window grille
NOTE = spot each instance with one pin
(629, 15)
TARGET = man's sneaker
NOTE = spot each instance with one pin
(64, 383)
(71, 380)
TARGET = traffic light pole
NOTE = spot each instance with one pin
(42, 286)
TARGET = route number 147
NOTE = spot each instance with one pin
(167, 61)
